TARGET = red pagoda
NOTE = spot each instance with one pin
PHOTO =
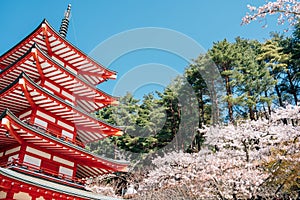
(47, 94)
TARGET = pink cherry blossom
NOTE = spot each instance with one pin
(231, 164)
(287, 11)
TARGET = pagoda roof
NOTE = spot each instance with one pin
(61, 50)
(45, 185)
(23, 93)
(88, 164)
(39, 66)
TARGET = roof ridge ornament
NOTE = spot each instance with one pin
(65, 22)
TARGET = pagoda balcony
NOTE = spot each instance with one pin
(88, 165)
(55, 134)
(41, 172)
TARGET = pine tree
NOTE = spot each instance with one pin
(252, 80)
(151, 116)
(194, 77)
(276, 59)
(222, 53)
(292, 46)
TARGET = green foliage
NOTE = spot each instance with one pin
(256, 78)
(154, 122)
(194, 77)
(223, 55)
(251, 79)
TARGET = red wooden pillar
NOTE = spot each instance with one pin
(22, 153)
(33, 115)
(11, 192)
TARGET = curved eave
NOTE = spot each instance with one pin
(21, 178)
(89, 128)
(88, 98)
(91, 165)
(108, 97)
(7, 58)
(49, 40)
(5, 140)
(13, 73)
(109, 71)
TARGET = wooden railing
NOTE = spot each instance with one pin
(43, 171)
(55, 134)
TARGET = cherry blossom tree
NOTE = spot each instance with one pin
(287, 11)
(255, 159)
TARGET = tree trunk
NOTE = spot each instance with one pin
(279, 95)
(201, 113)
(215, 108)
(251, 110)
(229, 94)
(293, 88)
(269, 106)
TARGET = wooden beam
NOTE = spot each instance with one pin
(39, 68)
(26, 93)
(7, 125)
(45, 33)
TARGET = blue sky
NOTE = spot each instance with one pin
(95, 21)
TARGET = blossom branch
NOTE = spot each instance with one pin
(288, 10)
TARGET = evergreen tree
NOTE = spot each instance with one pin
(273, 55)
(151, 116)
(252, 80)
(195, 79)
(223, 55)
(292, 46)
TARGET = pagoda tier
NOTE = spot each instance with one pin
(19, 186)
(49, 74)
(31, 102)
(61, 51)
(47, 94)
(33, 147)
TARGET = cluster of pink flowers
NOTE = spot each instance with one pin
(231, 163)
(287, 10)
